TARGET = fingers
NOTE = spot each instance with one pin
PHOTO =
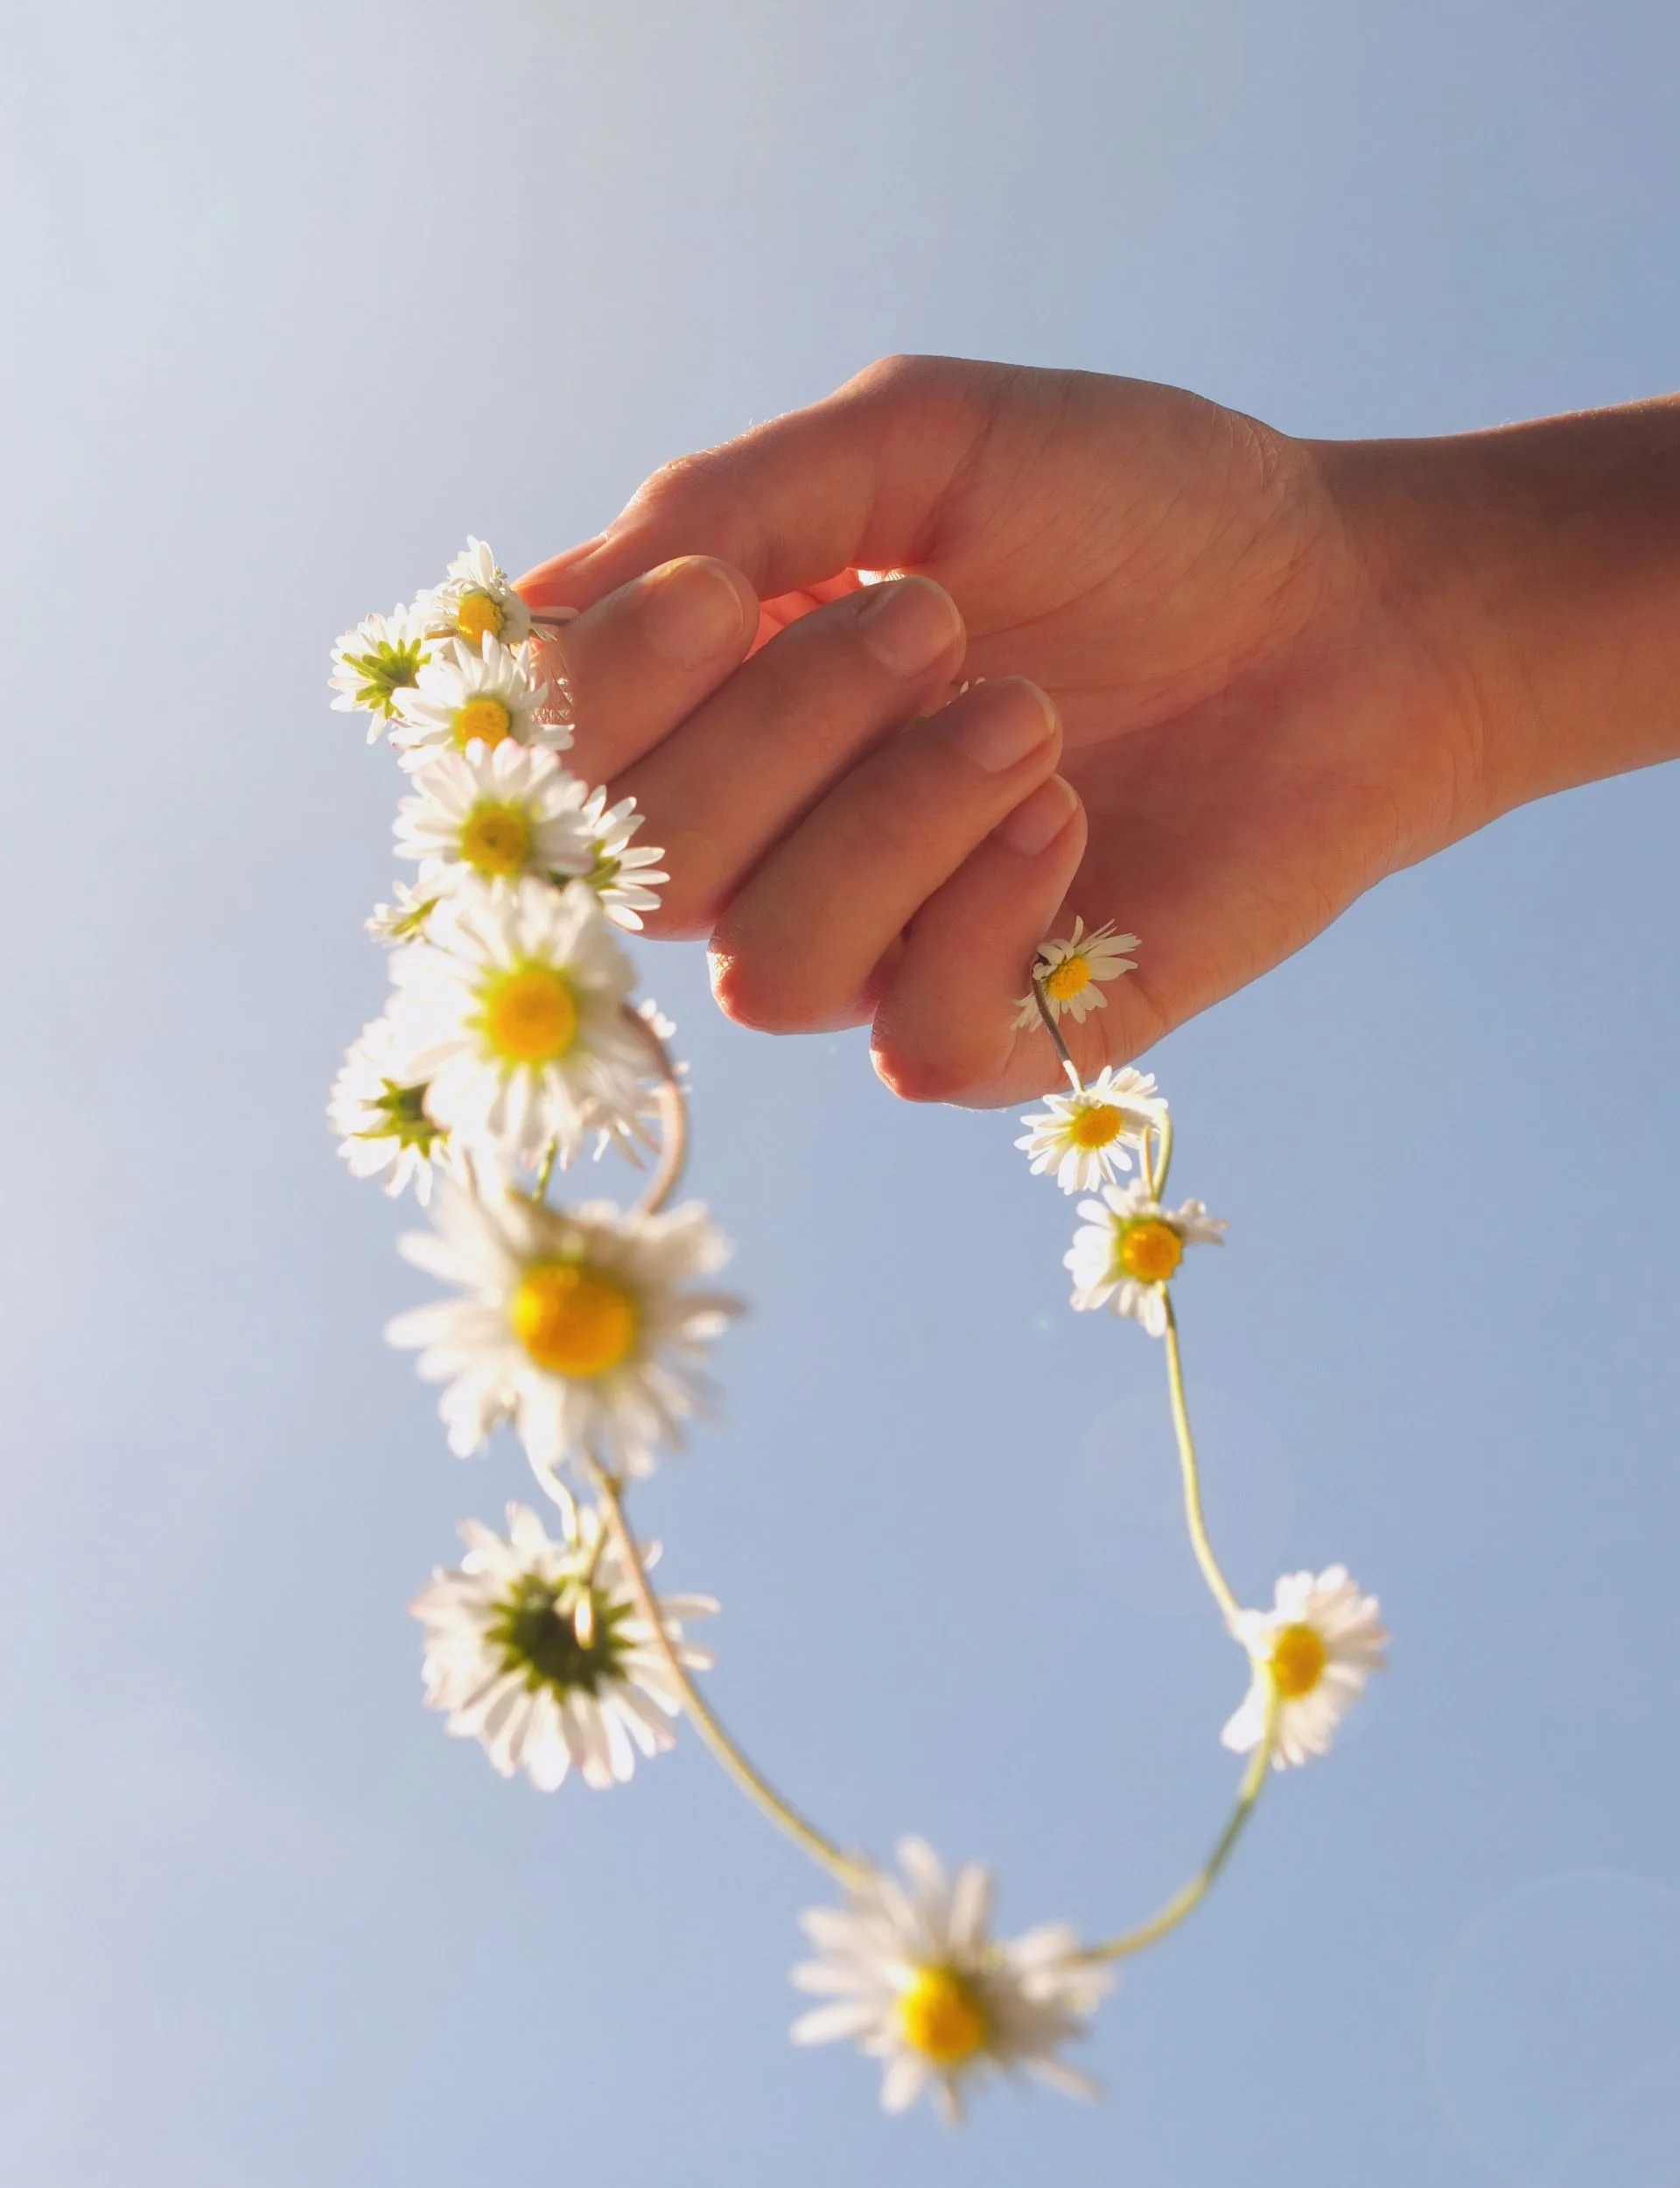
(645, 657)
(848, 483)
(945, 1027)
(799, 945)
(748, 765)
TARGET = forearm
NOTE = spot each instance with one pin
(1540, 565)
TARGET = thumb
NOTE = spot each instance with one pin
(851, 482)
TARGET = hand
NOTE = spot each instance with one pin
(1259, 718)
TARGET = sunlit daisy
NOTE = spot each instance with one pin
(1071, 972)
(405, 921)
(466, 697)
(625, 879)
(581, 1326)
(915, 1980)
(1084, 1138)
(476, 601)
(536, 1648)
(375, 664)
(1319, 1643)
(378, 1108)
(1128, 1248)
(497, 813)
(513, 1007)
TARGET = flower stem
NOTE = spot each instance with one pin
(1055, 1032)
(823, 1850)
(1194, 1519)
(547, 1171)
(674, 1116)
(1185, 1901)
(1158, 1186)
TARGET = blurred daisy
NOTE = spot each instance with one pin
(378, 1107)
(914, 1978)
(624, 879)
(1129, 1248)
(496, 812)
(513, 1007)
(536, 1648)
(1319, 1643)
(1084, 1137)
(578, 1325)
(375, 664)
(1071, 972)
(405, 921)
(467, 697)
(475, 601)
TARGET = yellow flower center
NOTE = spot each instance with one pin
(479, 615)
(484, 717)
(1098, 1126)
(497, 838)
(1298, 1656)
(531, 1016)
(941, 2017)
(1070, 978)
(571, 1320)
(1149, 1250)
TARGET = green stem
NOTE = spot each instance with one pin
(1055, 1032)
(1186, 1901)
(805, 1835)
(673, 1116)
(1195, 1517)
(547, 1171)
(1165, 1128)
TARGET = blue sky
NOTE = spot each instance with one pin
(297, 299)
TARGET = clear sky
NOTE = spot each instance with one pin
(294, 299)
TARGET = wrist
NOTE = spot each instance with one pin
(1538, 566)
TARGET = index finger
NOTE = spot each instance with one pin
(796, 504)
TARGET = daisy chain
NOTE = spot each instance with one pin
(536, 1648)
(1319, 1643)
(1129, 1248)
(581, 1326)
(1072, 973)
(1083, 1138)
(914, 1977)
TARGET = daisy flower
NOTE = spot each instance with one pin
(378, 1107)
(467, 696)
(498, 812)
(1083, 1137)
(536, 1648)
(624, 879)
(475, 601)
(405, 921)
(579, 1325)
(1318, 1644)
(375, 664)
(1130, 1247)
(513, 1007)
(915, 1980)
(1071, 972)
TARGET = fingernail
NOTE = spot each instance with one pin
(1037, 821)
(909, 625)
(1012, 718)
(692, 611)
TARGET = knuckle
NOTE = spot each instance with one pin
(762, 996)
(684, 480)
(925, 1077)
(894, 375)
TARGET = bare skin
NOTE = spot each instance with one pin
(1230, 680)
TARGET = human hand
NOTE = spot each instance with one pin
(1256, 710)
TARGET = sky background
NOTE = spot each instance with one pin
(296, 297)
